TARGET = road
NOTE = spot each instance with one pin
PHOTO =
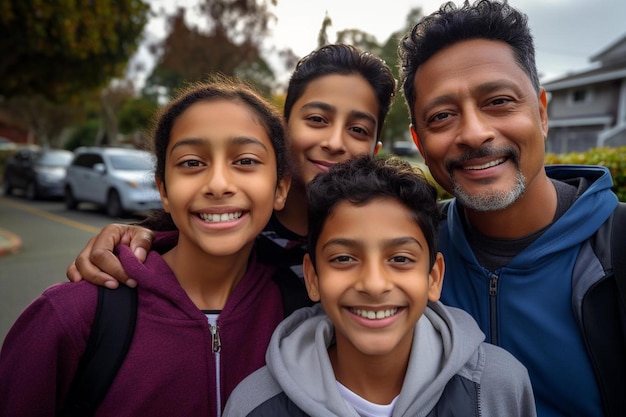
(51, 238)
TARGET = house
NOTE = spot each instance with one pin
(587, 109)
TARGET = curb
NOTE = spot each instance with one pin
(9, 242)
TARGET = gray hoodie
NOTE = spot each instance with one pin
(451, 371)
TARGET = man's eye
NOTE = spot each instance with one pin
(440, 116)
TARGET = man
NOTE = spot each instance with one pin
(516, 236)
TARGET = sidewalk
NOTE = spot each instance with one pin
(9, 242)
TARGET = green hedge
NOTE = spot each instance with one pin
(612, 158)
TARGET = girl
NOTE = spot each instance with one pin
(221, 165)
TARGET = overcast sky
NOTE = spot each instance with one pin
(567, 32)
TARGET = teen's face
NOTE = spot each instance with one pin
(334, 120)
(220, 177)
(373, 282)
(481, 126)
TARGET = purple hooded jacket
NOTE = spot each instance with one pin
(170, 368)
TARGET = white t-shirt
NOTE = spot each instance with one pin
(363, 407)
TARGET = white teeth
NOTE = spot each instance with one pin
(374, 315)
(487, 165)
(216, 218)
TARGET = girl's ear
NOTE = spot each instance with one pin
(161, 186)
(435, 278)
(310, 279)
(280, 195)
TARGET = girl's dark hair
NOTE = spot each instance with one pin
(366, 178)
(218, 87)
(343, 60)
(485, 19)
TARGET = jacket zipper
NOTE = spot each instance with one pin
(493, 309)
(216, 347)
(216, 342)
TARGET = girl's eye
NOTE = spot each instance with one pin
(247, 161)
(191, 163)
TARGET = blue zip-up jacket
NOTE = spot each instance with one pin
(532, 306)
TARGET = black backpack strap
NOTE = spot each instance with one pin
(109, 340)
(618, 250)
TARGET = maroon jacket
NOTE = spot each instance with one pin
(170, 368)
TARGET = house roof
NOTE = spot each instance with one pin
(604, 73)
(615, 51)
(610, 65)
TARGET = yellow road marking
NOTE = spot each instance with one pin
(50, 216)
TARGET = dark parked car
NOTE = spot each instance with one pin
(38, 172)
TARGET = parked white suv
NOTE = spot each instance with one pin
(119, 179)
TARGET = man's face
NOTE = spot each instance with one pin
(480, 124)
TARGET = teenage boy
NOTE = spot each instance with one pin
(518, 236)
(379, 343)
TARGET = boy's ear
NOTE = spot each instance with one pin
(435, 278)
(282, 189)
(310, 279)
(416, 140)
(378, 147)
(161, 186)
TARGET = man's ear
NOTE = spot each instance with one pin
(416, 141)
(161, 186)
(435, 278)
(543, 111)
(310, 279)
(378, 147)
(280, 195)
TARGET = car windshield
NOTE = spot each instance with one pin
(132, 162)
(54, 159)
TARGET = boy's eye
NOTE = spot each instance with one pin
(342, 259)
(400, 259)
(359, 130)
(316, 119)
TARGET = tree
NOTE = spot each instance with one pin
(229, 43)
(57, 48)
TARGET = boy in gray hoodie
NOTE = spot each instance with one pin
(379, 343)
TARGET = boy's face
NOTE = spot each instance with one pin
(335, 119)
(373, 281)
(480, 124)
(220, 175)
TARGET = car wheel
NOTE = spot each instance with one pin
(6, 187)
(31, 191)
(114, 204)
(70, 200)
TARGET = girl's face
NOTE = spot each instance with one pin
(220, 177)
(335, 119)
